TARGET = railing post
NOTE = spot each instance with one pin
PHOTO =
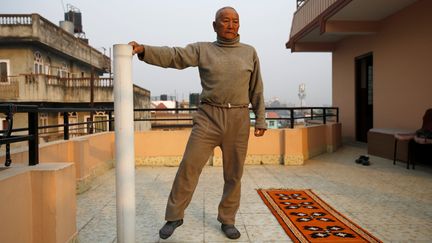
(337, 114)
(9, 118)
(311, 114)
(324, 116)
(124, 143)
(65, 126)
(34, 141)
(110, 122)
(90, 125)
(291, 118)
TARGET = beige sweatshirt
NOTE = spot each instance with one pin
(229, 71)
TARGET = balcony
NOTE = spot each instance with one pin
(318, 25)
(16, 28)
(47, 88)
(307, 13)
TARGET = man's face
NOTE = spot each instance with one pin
(227, 24)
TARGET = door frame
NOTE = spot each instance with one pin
(363, 95)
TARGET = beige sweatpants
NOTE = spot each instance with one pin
(213, 126)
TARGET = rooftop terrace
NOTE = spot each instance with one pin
(387, 200)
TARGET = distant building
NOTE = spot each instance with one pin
(45, 65)
(184, 104)
(272, 120)
(164, 97)
(194, 100)
(164, 104)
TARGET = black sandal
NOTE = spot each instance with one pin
(363, 159)
(168, 229)
(230, 231)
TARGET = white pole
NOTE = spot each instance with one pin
(124, 143)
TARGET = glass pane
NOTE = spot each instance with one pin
(100, 126)
(3, 72)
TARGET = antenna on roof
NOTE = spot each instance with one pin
(302, 93)
(63, 6)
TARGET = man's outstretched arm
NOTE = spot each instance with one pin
(167, 57)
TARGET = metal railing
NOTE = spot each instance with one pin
(15, 19)
(32, 137)
(50, 88)
(287, 118)
(79, 82)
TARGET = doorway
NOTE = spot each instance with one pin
(363, 95)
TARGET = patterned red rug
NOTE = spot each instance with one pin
(307, 218)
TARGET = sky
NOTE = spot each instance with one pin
(265, 25)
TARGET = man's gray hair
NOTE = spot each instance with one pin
(222, 9)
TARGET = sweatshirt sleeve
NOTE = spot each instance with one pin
(256, 96)
(171, 57)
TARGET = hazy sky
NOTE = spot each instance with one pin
(263, 24)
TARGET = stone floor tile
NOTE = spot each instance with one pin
(213, 232)
(100, 229)
(191, 231)
(402, 232)
(266, 233)
(389, 201)
(259, 219)
(253, 207)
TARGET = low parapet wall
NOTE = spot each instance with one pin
(277, 146)
(91, 155)
(38, 203)
(95, 153)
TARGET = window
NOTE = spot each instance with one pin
(63, 71)
(4, 71)
(100, 126)
(43, 121)
(38, 63)
(73, 118)
(48, 66)
(4, 125)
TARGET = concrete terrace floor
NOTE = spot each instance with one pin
(391, 202)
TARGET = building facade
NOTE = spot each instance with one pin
(45, 65)
(380, 56)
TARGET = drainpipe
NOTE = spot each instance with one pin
(124, 143)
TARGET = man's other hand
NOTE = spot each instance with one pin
(259, 132)
(136, 48)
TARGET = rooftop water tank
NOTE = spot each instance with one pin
(67, 26)
(75, 18)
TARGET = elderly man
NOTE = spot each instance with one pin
(231, 80)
